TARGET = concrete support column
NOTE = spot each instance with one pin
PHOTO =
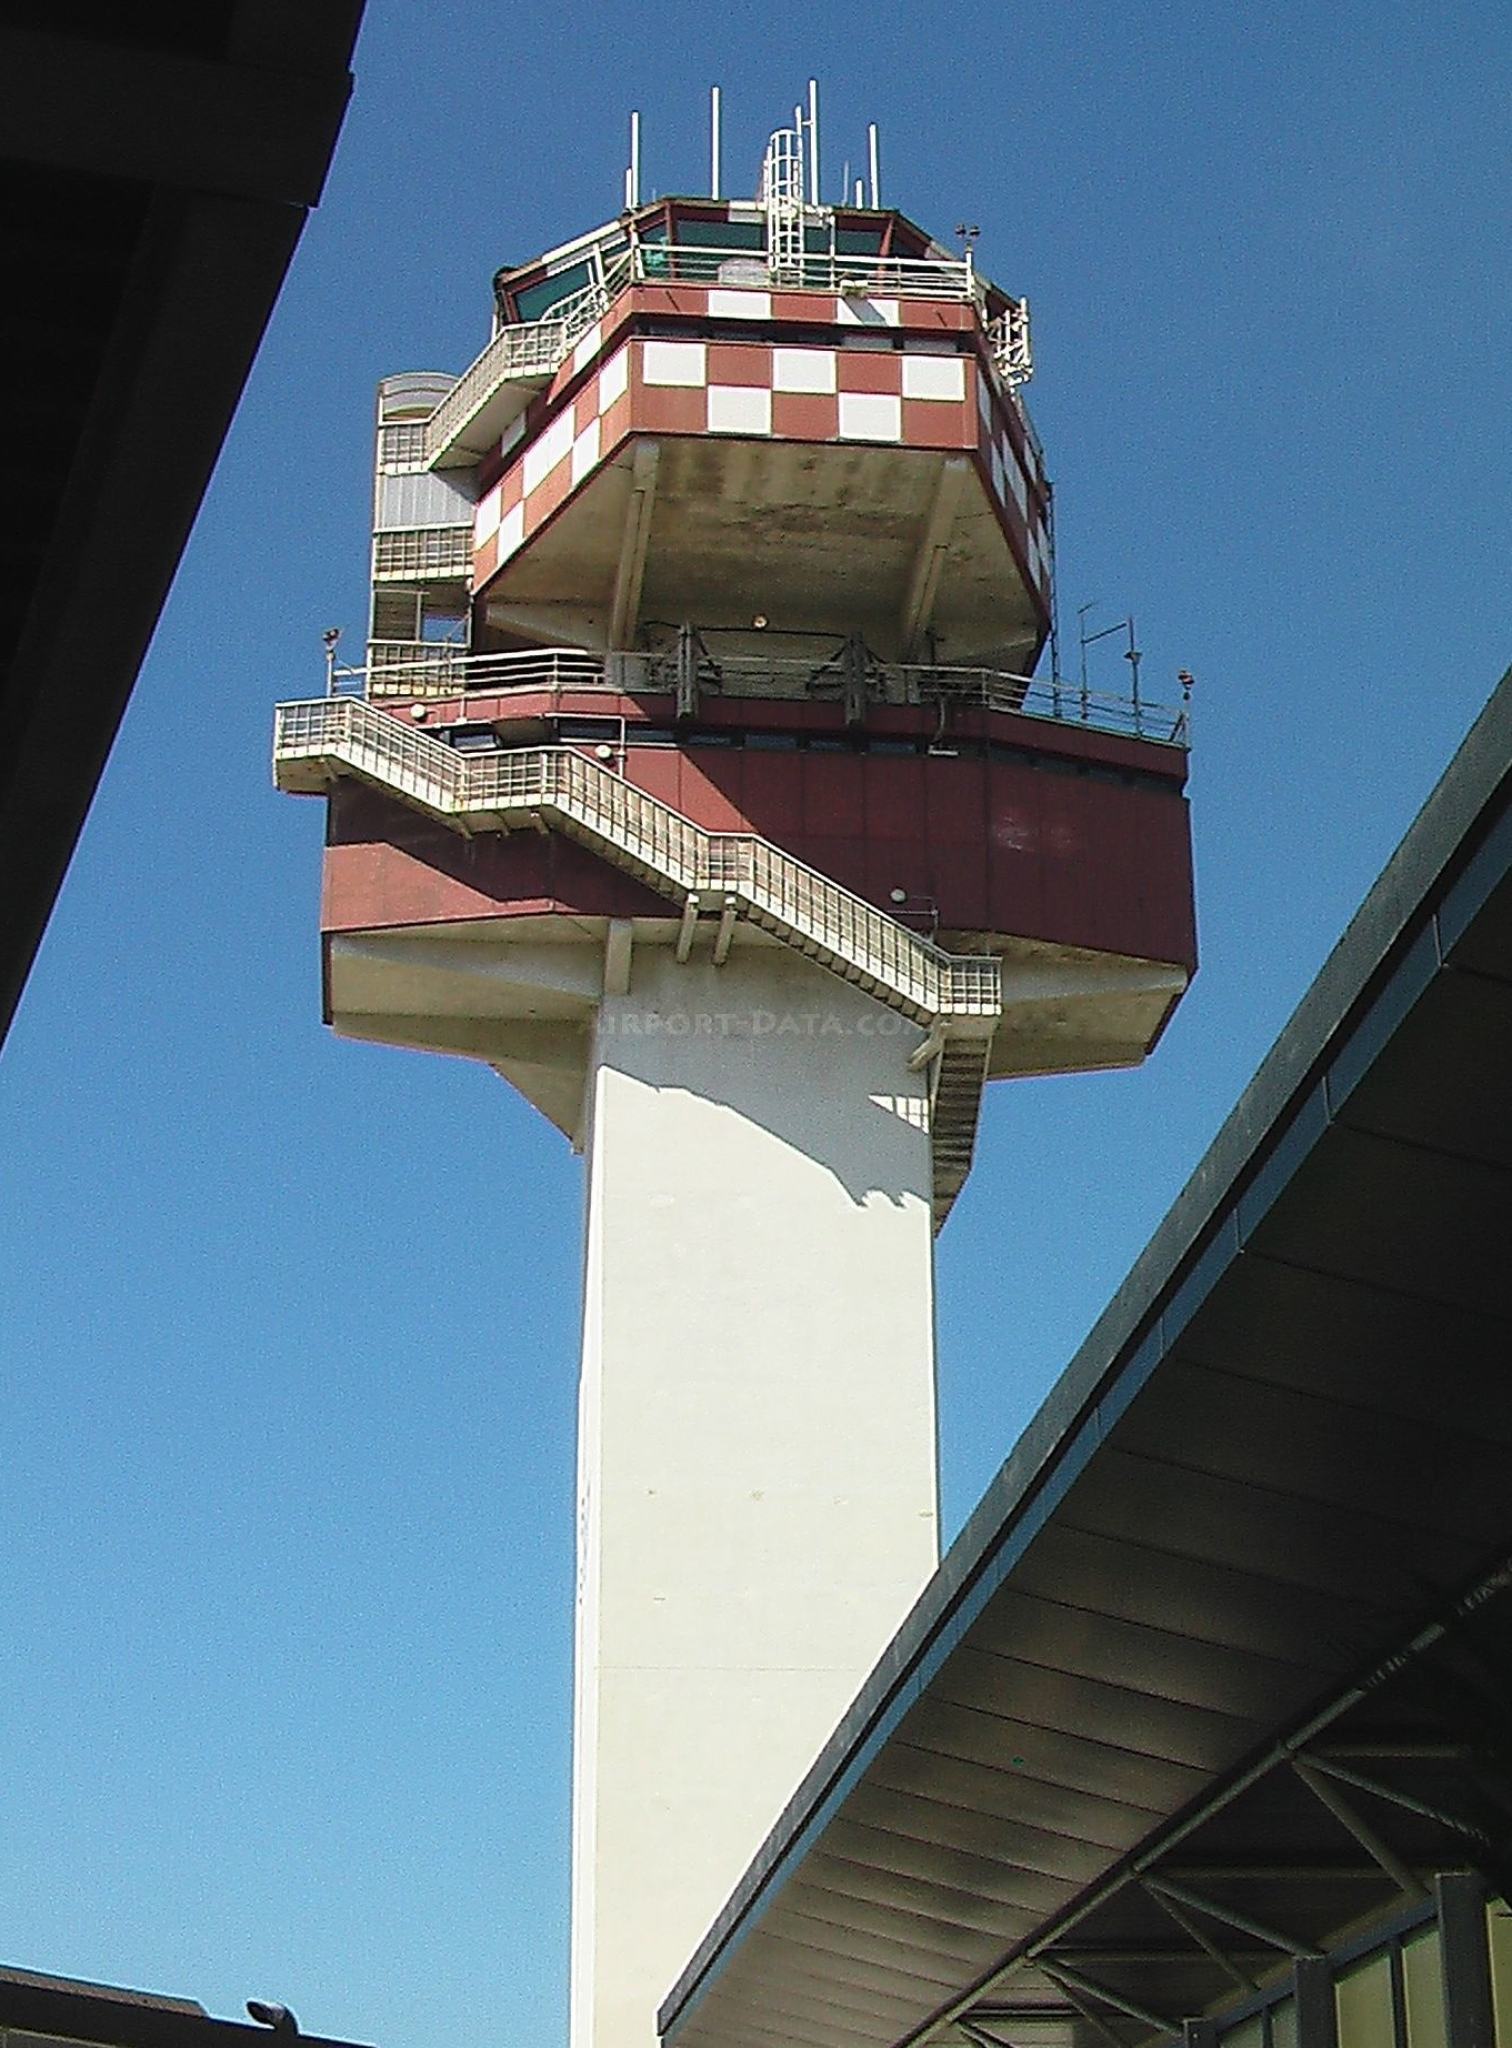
(757, 1489)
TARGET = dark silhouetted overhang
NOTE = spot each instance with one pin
(157, 161)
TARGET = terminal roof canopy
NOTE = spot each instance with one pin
(1231, 1632)
(145, 238)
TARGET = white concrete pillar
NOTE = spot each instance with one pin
(757, 1466)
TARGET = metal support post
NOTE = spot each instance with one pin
(1469, 2016)
(687, 672)
(1317, 2015)
(855, 679)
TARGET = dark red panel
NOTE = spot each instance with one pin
(773, 799)
(955, 802)
(843, 860)
(386, 866)
(1015, 852)
(710, 785)
(834, 795)
(658, 770)
(1034, 852)
(734, 362)
(896, 795)
(867, 370)
(803, 416)
(936, 423)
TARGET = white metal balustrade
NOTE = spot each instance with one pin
(462, 428)
(525, 354)
(414, 670)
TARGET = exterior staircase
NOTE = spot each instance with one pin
(960, 1075)
(957, 998)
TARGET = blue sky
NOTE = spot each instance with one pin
(289, 1343)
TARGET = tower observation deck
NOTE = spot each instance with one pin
(697, 779)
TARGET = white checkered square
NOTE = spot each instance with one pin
(740, 305)
(870, 416)
(614, 379)
(739, 409)
(1016, 479)
(684, 363)
(858, 312)
(1041, 553)
(934, 377)
(486, 518)
(543, 455)
(585, 452)
(511, 532)
(803, 369)
(588, 347)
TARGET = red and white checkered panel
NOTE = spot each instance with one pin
(915, 391)
(804, 392)
(1010, 463)
(715, 306)
(542, 471)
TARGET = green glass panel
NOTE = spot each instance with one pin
(1362, 1999)
(1423, 1986)
(1284, 2023)
(1249, 2033)
(1499, 1937)
(538, 299)
(719, 234)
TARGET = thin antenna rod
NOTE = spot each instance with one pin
(860, 193)
(714, 192)
(813, 142)
(876, 176)
(633, 187)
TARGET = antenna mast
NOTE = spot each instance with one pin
(813, 128)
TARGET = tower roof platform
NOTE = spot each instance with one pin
(1216, 1674)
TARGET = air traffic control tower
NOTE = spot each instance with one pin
(697, 780)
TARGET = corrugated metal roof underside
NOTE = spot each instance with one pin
(1284, 1448)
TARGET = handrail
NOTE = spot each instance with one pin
(535, 349)
(649, 838)
(814, 270)
(418, 669)
(527, 349)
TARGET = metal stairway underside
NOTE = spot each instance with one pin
(956, 998)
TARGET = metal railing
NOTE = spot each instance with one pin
(531, 349)
(535, 349)
(411, 669)
(401, 445)
(417, 670)
(639, 833)
(416, 554)
(809, 270)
